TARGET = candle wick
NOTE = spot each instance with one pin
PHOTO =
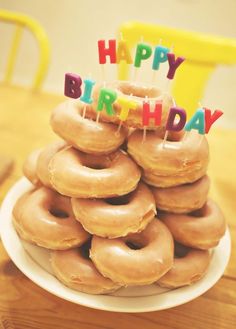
(153, 77)
(103, 71)
(164, 139)
(84, 111)
(135, 74)
(200, 142)
(173, 100)
(97, 118)
(118, 129)
(167, 86)
(144, 134)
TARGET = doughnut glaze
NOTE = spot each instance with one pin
(45, 218)
(188, 268)
(175, 163)
(76, 174)
(184, 198)
(74, 269)
(150, 257)
(85, 134)
(201, 229)
(45, 156)
(29, 167)
(116, 217)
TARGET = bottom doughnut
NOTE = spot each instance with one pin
(74, 269)
(190, 265)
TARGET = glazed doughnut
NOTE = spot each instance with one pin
(178, 162)
(76, 174)
(45, 218)
(184, 198)
(44, 159)
(190, 265)
(29, 167)
(201, 229)
(134, 92)
(87, 135)
(116, 217)
(137, 259)
(74, 269)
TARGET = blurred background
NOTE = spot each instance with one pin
(74, 26)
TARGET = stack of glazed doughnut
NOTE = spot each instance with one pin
(117, 209)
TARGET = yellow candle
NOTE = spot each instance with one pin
(126, 105)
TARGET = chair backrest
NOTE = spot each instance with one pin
(22, 22)
(203, 53)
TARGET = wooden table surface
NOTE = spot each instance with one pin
(24, 126)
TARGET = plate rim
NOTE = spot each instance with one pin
(102, 302)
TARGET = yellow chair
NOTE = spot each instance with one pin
(202, 52)
(23, 21)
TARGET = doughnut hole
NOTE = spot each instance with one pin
(59, 213)
(119, 201)
(95, 162)
(139, 90)
(204, 211)
(135, 242)
(180, 251)
(85, 249)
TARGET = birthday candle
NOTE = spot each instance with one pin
(106, 98)
(171, 124)
(197, 122)
(211, 118)
(104, 52)
(126, 106)
(88, 87)
(173, 64)
(160, 56)
(148, 114)
(123, 53)
(143, 51)
(72, 87)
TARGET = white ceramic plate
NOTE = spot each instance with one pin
(34, 263)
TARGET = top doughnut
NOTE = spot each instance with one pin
(134, 92)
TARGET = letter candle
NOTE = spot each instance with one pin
(86, 97)
(146, 108)
(173, 65)
(123, 52)
(160, 56)
(105, 52)
(126, 105)
(211, 118)
(166, 132)
(143, 52)
(148, 114)
(106, 98)
(72, 87)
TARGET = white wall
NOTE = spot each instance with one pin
(74, 27)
